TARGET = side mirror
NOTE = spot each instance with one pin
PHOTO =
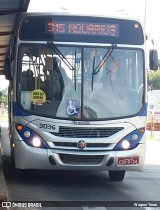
(7, 69)
(153, 60)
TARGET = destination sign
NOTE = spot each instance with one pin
(82, 28)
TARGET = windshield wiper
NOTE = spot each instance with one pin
(75, 76)
(63, 58)
(93, 68)
(60, 55)
(104, 59)
(102, 62)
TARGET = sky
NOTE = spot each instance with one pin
(147, 11)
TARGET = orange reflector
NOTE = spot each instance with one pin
(141, 130)
(19, 127)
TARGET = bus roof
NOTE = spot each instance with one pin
(67, 13)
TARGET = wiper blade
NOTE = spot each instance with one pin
(93, 68)
(104, 59)
(60, 55)
(75, 76)
(102, 62)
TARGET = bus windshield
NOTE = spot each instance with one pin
(63, 83)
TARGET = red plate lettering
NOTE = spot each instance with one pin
(128, 161)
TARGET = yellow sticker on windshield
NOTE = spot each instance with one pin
(38, 97)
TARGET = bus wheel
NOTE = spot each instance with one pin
(116, 175)
(16, 171)
(12, 157)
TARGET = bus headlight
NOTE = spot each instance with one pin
(36, 142)
(125, 144)
(130, 141)
(134, 136)
(30, 137)
(27, 134)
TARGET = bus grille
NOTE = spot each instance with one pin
(81, 159)
(74, 145)
(80, 132)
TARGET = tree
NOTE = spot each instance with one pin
(4, 96)
(154, 79)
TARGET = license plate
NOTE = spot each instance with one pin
(128, 161)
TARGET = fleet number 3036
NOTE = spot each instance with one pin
(47, 126)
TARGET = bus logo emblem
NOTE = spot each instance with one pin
(81, 144)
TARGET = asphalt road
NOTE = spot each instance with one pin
(141, 187)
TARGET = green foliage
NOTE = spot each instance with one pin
(154, 80)
(4, 97)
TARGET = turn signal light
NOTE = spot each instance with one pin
(141, 130)
(19, 127)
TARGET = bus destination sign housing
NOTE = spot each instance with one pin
(84, 29)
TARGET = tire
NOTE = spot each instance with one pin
(16, 171)
(12, 157)
(116, 175)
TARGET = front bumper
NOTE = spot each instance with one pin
(27, 157)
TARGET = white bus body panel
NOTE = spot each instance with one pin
(27, 157)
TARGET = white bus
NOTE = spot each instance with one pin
(78, 93)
